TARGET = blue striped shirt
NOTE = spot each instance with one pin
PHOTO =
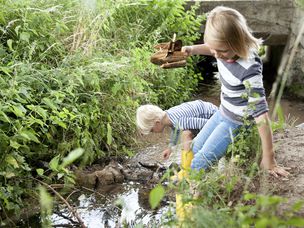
(191, 115)
(242, 90)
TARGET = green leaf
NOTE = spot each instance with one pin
(54, 163)
(25, 36)
(73, 155)
(10, 44)
(17, 29)
(297, 222)
(29, 135)
(12, 161)
(9, 174)
(249, 196)
(297, 206)
(262, 223)
(14, 144)
(4, 117)
(156, 195)
(6, 70)
(18, 110)
(109, 134)
(40, 172)
(117, 86)
(46, 200)
(42, 112)
(60, 175)
(49, 103)
(59, 122)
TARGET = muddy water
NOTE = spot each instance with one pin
(125, 204)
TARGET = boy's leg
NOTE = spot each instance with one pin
(216, 145)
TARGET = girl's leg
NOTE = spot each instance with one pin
(215, 145)
(206, 131)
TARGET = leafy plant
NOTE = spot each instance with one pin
(156, 195)
(72, 76)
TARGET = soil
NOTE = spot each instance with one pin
(289, 146)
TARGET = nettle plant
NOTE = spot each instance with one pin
(72, 76)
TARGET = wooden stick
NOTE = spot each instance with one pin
(72, 210)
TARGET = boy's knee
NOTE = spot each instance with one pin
(187, 135)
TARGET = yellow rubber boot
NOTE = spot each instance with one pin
(187, 157)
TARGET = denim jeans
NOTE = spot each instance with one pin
(212, 141)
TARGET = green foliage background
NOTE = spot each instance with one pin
(72, 74)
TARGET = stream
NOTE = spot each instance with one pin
(125, 204)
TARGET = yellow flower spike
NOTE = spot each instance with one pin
(182, 210)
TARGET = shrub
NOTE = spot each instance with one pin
(72, 75)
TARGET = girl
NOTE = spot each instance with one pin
(229, 40)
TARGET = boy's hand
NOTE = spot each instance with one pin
(166, 153)
(272, 167)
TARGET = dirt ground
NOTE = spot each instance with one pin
(289, 147)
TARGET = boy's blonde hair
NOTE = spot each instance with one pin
(227, 25)
(146, 116)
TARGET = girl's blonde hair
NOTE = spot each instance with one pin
(146, 116)
(227, 25)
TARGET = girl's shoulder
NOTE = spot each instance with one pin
(254, 60)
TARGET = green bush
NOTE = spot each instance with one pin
(72, 75)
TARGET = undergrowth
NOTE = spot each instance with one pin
(72, 74)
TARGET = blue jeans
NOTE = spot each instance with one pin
(212, 141)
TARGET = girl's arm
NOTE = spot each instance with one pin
(268, 159)
(200, 49)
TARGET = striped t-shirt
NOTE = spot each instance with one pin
(191, 115)
(242, 90)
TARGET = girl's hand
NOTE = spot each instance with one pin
(271, 166)
(187, 49)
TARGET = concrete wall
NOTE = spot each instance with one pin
(266, 18)
(295, 81)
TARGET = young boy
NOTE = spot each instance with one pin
(186, 119)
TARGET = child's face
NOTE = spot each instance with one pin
(221, 51)
(158, 127)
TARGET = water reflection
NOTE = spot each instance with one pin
(126, 206)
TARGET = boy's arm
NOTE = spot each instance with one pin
(268, 159)
(187, 137)
(175, 133)
(199, 49)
